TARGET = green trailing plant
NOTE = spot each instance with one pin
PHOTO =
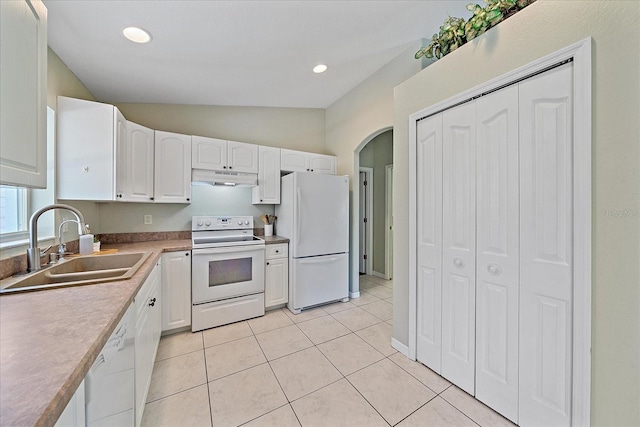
(455, 32)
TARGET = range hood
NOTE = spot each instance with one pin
(237, 179)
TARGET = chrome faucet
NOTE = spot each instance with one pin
(33, 253)
(62, 247)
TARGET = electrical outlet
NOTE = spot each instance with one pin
(148, 219)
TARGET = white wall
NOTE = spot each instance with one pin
(205, 200)
(359, 116)
(538, 30)
(294, 128)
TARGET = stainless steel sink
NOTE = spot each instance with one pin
(85, 270)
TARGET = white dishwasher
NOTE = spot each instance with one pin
(109, 385)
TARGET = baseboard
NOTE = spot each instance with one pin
(354, 294)
(400, 347)
(380, 275)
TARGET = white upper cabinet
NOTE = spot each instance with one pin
(23, 93)
(300, 161)
(242, 157)
(87, 171)
(321, 163)
(103, 157)
(224, 156)
(135, 165)
(268, 189)
(208, 153)
(172, 183)
(294, 161)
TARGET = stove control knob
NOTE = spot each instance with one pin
(207, 223)
(246, 222)
(239, 222)
(200, 223)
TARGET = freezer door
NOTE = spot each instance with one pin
(318, 280)
(321, 215)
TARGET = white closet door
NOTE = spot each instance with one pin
(459, 242)
(546, 248)
(429, 187)
(497, 251)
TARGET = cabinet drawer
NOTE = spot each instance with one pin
(280, 250)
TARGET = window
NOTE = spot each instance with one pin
(13, 212)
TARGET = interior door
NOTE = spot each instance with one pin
(497, 248)
(389, 221)
(321, 210)
(546, 247)
(459, 241)
(362, 223)
(429, 239)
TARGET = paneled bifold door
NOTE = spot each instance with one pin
(495, 247)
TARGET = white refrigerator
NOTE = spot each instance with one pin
(314, 215)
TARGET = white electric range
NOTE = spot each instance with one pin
(227, 269)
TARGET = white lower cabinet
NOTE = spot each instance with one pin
(276, 286)
(148, 328)
(74, 414)
(176, 290)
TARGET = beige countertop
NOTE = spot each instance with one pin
(49, 339)
(272, 240)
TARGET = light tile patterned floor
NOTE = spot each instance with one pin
(330, 366)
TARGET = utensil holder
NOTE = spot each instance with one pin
(268, 230)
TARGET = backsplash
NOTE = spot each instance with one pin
(18, 264)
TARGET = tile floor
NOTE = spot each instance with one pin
(330, 366)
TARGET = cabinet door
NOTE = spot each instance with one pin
(242, 157)
(136, 161)
(148, 329)
(172, 183)
(23, 93)
(498, 251)
(74, 413)
(276, 286)
(268, 189)
(429, 239)
(209, 153)
(176, 290)
(294, 161)
(459, 241)
(322, 163)
(87, 171)
(546, 247)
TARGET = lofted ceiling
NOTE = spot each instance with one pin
(245, 53)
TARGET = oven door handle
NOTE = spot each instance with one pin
(227, 249)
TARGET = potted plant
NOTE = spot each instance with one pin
(455, 32)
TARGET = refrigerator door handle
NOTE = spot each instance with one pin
(298, 201)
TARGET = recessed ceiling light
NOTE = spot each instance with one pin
(320, 68)
(137, 35)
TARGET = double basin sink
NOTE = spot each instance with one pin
(83, 270)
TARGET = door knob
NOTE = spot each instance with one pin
(494, 269)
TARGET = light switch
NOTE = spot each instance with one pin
(148, 219)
